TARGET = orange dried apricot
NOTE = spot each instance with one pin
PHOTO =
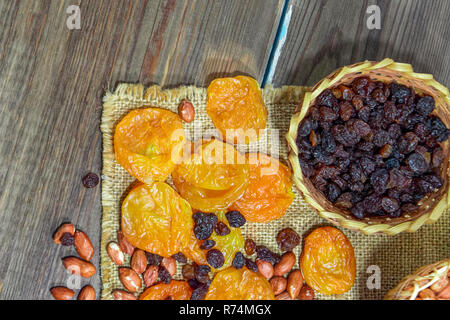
(236, 108)
(269, 192)
(149, 142)
(156, 219)
(328, 261)
(175, 290)
(239, 284)
(213, 177)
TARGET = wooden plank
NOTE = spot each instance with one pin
(324, 35)
(51, 83)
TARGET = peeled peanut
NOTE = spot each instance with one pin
(283, 296)
(278, 284)
(80, 267)
(130, 279)
(139, 261)
(295, 283)
(64, 228)
(83, 245)
(170, 264)
(150, 276)
(87, 293)
(186, 111)
(427, 294)
(123, 295)
(306, 293)
(124, 245)
(439, 285)
(265, 268)
(62, 293)
(285, 265)
(445, 293)
(115, 253)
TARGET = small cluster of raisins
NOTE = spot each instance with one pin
(372, 148)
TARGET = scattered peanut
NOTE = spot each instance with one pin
(285, 265)
(278, 284)
(295, 283)
(439, 285)
(445, 293)
(306, 293)
(283, 296)
(83, 245)
(80, 267)
(123, 295)
(427, 294)
(186, 111)
(115, 253)
(124, 245)
(87, 293)
(62, 293)
(265, 268)
(170, 264)
(150, 275)
(64, 228)
(139, 261)
(130, 279)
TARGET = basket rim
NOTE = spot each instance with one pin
(368, 225)
(413, 279)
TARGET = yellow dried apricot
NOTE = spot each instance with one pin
(328, 261)
(156, 219)
(236, 108)
(148, 143)
(269, 192)
(213, 177)
(175, 290)
(239, 284)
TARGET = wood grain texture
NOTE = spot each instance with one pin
(324, 35)
(52, 80)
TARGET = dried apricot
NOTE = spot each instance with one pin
(328, 261)
(213, 177)
(175, 290)
(156, 219)
(149, 142)
(239, 284)
(269, 192)
(236, 108)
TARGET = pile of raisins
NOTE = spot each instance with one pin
(372, 148)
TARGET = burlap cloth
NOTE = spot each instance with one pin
(396, 256)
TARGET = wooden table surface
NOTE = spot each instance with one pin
(52, 80)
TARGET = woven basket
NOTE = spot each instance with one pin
(422, 278)
(431, 207)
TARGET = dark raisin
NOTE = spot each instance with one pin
(381, 138)
(378, 95)
(408, 143)
(164, 275)
(250, 247)
(416, 163)
(438, 129)
(153, 259)
(238, 260)
(204, 224)
(379, 180)
(409, 207)
(221, 229)
(437, 158)
(346, 111)
(425, 105)
(386, 150)
(394, 131)
(235, 219)
(202, 273)
(215, 258)
(180, 257)
(326, 98)
(358, 210)
(67, 239)
(207, 244)
(305, 128)
(200, 292)
(344, 201)
(194, 284)
(389, 205)
(287, 239)
(188, 271)
(265, 254)
(392, 163)
(90, 180)
(251, 265)
(400, 92)
(333, 192)
(328, 143)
